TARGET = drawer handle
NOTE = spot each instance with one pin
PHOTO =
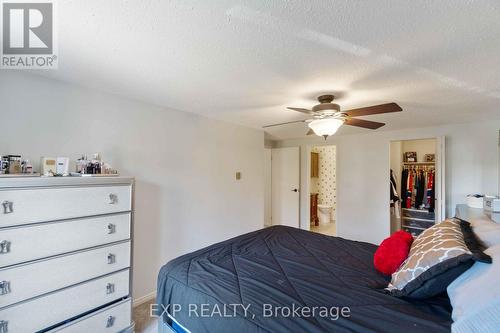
(111, 258)
(4, 328)
(111, 228)
(4, 287)
(113, 199)
(8, 207)
(110, 288)
(110, 322)
(4, 248)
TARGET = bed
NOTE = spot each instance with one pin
(278, 268)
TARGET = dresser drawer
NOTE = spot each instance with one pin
(22, 244)
(27, 281)
(112, 319)
(55, 308)
(418, 214)
(417, 223)
(24, 206)
(415, 232)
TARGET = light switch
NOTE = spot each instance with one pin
(238, 175)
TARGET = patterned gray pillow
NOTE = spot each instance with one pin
(437, 256)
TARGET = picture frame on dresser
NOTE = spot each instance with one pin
(67, 254)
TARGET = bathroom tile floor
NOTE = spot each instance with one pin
(329, 229)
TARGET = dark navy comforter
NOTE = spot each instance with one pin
(260, 281)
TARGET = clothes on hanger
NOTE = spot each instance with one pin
(432, 203)
(395, 200)
(429, 190)
(420, 187)
(417, 187)
(404, 187)
(394, 192)
(409, 190)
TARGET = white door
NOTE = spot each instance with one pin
(285, 186)
(440, 179)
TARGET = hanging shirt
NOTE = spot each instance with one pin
(421, 190)
(394, 192)
(404, 187)
(395, 210)
(409, 189)
(430, 183)
(433, 192)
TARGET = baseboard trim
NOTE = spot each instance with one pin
(144, 299)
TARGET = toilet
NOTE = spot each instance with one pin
(324, 214)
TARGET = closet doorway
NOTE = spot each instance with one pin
(417, 180)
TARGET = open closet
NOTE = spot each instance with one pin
(416, 184)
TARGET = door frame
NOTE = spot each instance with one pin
(440, 171)
(441, 185)
(305, 203)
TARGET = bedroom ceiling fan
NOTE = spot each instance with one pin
(327, 117)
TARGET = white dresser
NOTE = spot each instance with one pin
(65, 254)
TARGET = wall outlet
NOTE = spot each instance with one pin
(238, 175)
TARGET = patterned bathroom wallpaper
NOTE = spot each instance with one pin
(326, 184)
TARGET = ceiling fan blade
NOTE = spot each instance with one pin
(288, 122)
(301, 110)
(363, 123)
(376, 109)
(310, 132)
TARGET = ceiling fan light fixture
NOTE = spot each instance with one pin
(326, 127)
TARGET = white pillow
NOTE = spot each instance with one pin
(487, 231)
(475, 297)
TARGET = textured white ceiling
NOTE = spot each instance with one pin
(245, 61)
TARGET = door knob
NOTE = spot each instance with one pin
(295, 190)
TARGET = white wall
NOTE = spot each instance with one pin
(421, 147)
(362, 179)
(186, 193)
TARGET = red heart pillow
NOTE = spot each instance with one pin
(406, 236)
(392, 252)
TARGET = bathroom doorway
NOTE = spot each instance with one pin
(323, 190)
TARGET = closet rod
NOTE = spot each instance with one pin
(419, 163)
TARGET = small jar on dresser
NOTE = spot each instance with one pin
(65, 254)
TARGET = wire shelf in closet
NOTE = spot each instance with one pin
(419, 163)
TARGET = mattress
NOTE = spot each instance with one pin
(257, 281)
